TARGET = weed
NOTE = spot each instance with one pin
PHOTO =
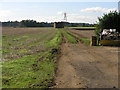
(24, 51)
(5, 51)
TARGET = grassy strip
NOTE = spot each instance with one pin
(32, 71)
(85, 40)
(82, 27)
(55, 42)
(69, 37)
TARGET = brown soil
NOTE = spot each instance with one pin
(32, 44)
(83, 33)
(82, 66)
(22, 31)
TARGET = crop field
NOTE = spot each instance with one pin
(28, 57)
(60, 58)
(18, 42)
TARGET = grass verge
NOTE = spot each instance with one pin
(32, 71)
(82, 27)
(69, 37)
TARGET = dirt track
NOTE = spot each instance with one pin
(82, 66)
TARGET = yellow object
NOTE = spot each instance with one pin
(110, 42)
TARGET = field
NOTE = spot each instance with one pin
(56, 58)
(18, 42)
(82, 28)
(29, 57)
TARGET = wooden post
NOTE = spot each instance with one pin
(94, 41)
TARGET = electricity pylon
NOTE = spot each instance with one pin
(65, 16)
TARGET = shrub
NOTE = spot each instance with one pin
(108, 21)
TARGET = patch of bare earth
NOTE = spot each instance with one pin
(82, 66)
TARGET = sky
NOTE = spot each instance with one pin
(51, 11)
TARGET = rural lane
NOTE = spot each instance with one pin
(82, 66)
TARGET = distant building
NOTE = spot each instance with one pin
(119, 6)
(59, 24)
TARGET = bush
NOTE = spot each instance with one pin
(108, 21)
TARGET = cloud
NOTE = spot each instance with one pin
(81, 18)
(60, 12)
(77, 18)
(71, 18)
(47, 18)
(98, 9)
(5, 13)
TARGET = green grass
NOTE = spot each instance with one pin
(32, 71)
(85, 40)
(82, 27)
(55, 42)
(6, 51)
(69, 37)
(28, 72)
(24, 51)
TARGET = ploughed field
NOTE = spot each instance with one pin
(28, 57)
(18, 42)
(61, 58)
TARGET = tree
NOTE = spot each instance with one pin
(108, 21)
(29, 23)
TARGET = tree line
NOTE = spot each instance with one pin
(26, 23)
(33, 23)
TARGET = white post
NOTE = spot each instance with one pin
(119, 6)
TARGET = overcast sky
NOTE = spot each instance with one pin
(81, 12)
